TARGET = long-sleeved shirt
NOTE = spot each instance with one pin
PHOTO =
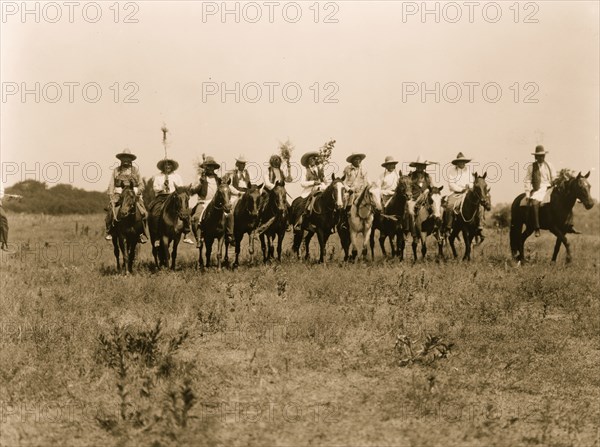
(356, 178)
(272, 176)
(546, 175)
(206, 187)
(308, 184)
(240, 181)
(122, 176)
(388, 181)
(459, 179)
(173, 181)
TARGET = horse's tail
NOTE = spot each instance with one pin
(516, 224)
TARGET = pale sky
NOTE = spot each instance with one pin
(374, 53)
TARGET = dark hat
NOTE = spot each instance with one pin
(460, 157)
(353, 155)
(419, 162)
(539, 150)
(126, 155)
(209, 161)
(305, 157)
(161, 164)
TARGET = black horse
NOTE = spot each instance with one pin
(325, 215)
(393, 223)
(554, 216)
(126, 228)
(214, 224)
(274, 215)
(246, 217)
(466, 219)
(169, 214)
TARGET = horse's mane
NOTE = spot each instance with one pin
(562, 179)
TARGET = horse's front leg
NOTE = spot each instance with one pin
(354, 243)
(451, 238)
(280, 237)
(164, 247)
(174, 252)
(219, 251)
(226, 258)
(116, 251)
(367, 238)
(322, 241)
(208, 242)
(132, 246)
(309, 235)
(560, 238)
(467, 239)
(270, 239)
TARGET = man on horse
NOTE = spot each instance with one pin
(538, 179)
(460, 179)
(274, 173)
(4, 219)
(164, 184)
(420, 183)
(355, 178)
(240, 182)
(313, 184)
(206, 189)
(388, 180)
(123, 175)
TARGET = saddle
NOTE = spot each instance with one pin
(525, 200)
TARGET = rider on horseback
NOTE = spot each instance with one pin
(460, 179)
(122, 175)
(388, 180)
(538, 179)
(206, 189)
(420, 184)
(240, 182)
(355, 178)
(313, 184)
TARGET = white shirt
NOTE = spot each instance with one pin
(211, 188)
(159, 180)
(388, 181)
(546, 176)
(459, 179)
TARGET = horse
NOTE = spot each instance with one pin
(393, 220)
(466, 216)
(246, 218)
(274, 213)
(554, 216)
(126, 228)
(428, 220)
(361, 217)
(168, 216)
(325, 215)
(214, 224)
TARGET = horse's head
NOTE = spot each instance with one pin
(435, 202)
(223, 196)
(128, 199)
(182, 199)
(481, 189)
(373, 195)
(278, 196)
(582, 190)
(253, 200)
(337, 190)
(404, 187)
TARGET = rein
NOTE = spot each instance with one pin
(476, 203)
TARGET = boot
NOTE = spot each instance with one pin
(143, 238)
(536, 217)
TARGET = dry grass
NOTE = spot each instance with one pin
(296, 354)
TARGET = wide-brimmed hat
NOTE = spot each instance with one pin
(389, 160)
(161, 164)
(460, 157)
(353, 155)
(241, 159)
(209, 161)
(305, 157)
(420, 161)
(275, 156)
(539, 150)
(126, 155)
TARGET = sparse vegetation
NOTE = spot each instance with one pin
(297, 353)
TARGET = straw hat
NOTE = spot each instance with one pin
(210, 161)
(161, 164)
(460, 157)
(305, 157)
(539, 150)
(389, 160)
(353, 155)
(126, 155)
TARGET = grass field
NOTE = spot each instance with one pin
(384, 353)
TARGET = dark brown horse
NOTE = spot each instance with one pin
(126, 228)
(554, 216)
(393, 222)
(428, 221)
(169, 214)
(323, 218)
(274, 213)
(467, 214)
(214, 224)
(246, 218)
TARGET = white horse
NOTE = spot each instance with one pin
(362, 213)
